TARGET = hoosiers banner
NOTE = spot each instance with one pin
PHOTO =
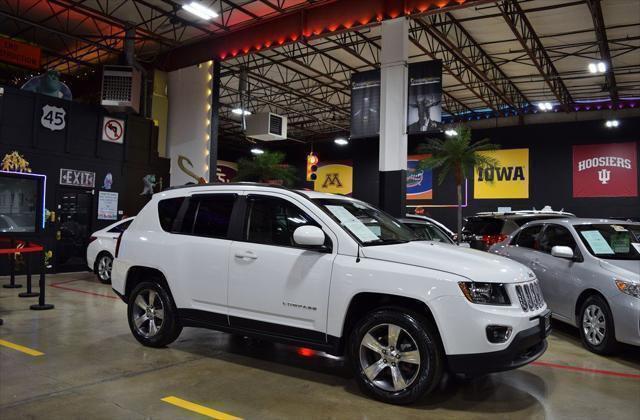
(419, 181)
(509, 179)
(605, 170)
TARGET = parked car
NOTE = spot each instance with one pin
(433, 221)
(589, 271)
(485, 229)
(330, 273)
(102, 248)
(427, 230)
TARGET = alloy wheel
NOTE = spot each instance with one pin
(148, 313)
(594, 325)
(389, 357)
(104, 267)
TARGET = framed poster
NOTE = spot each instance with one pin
(509, 179)
(605, 170)
(107, 205)
(419, 181)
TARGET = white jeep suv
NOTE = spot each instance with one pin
(329, 273)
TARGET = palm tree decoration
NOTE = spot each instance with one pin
(457, 154)
(267, 167)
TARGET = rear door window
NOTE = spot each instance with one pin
(213, 215)
(529, 237)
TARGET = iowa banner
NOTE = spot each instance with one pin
(509, 179)
(605, 170)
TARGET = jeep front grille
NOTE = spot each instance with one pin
(530, 296)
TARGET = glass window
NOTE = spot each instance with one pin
(429, 232)
(272, 221)
(528, 237)
(610, 241)
(368, 224)
(121, 227)
(168, 211)
(213, 215)
(555, 235)
(483, 226)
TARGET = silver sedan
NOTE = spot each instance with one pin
(589, 272)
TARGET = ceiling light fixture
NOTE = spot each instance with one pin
(197, 9)
(545, 106)
(341, 141)
(257, 151)
(612, 123)
(451, 132)
(240, 111)
(599, 67)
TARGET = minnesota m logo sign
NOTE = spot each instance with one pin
(335, 178)
(332, 179)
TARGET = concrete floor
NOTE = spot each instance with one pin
(93, 368)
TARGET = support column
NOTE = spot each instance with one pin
(393, 113)
(215, 122)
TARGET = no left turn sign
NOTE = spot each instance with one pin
(113, 130)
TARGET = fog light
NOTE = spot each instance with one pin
(498, 333)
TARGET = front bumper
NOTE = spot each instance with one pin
(526, 346)
(626, 316)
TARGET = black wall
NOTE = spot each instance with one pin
(79, 146)
(550, 177)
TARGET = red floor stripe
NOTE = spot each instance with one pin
(587, 370)
(71, 289)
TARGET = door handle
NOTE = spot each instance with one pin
(248, 255)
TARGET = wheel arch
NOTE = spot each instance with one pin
(98, 255)
(138, 273)
(581, 299)
(365, 302)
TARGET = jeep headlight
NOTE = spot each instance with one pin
(485, 293)
(629, 288)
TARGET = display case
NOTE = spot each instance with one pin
(22, 197)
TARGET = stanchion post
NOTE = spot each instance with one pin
(41, 305)
(29, 292)
(12, 267)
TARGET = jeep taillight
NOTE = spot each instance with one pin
(118, 243)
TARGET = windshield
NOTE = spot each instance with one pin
(611, 241)
(367, 224)
(429, 232)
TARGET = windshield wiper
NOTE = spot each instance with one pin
(386, 242)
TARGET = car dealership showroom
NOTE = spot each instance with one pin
(319, 209)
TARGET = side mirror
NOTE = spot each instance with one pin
(562, 252)
(309, 236)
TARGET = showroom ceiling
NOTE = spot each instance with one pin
(499, 58)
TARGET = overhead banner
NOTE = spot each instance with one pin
(605, 170)
(334, 178)
(19, 53)
(365, 104)
(425, 97)
(419, 181)
(509, 179)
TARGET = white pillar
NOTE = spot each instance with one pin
(393, 115)
(188, 130)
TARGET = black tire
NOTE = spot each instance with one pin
(168, 330)
(422, 379)
(608, 344)
(104, 279)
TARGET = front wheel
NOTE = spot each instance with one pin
(152, 315)
(396, 355)
(597, 330)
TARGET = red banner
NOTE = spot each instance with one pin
(605, 170)
(19, 53)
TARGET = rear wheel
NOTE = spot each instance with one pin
(104, 264)
(396, 356)
(152, 315)
(597, 330)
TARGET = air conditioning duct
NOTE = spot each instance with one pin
(121, 88)
(266, 126)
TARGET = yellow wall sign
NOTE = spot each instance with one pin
(334, 178)
(510, 179)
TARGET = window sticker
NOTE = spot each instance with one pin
(352, 223)
(596, 241)
(618, 228)
(620, 243)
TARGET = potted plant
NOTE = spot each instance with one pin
(267, 168)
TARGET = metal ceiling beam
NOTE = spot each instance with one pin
(601, 34)
(519, 24)
(446, 29)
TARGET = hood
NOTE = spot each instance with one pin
(627, 269)
(470, 263)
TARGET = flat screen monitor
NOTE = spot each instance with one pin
(21, 203)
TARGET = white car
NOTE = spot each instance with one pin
(102, 248)
(330, 273)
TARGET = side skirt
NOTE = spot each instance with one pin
(259, 329)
